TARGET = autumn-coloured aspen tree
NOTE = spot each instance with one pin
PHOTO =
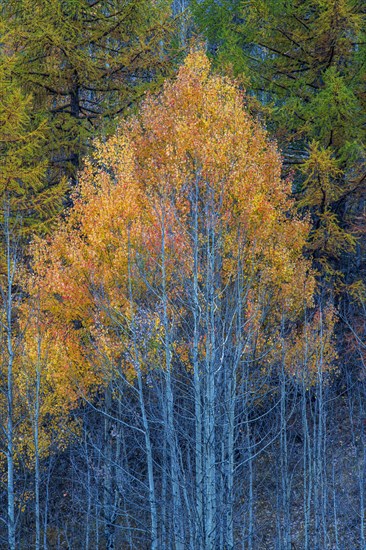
(44, 412)
(180, 259)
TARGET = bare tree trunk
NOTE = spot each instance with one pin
(209, 396)
(7, 297)
(179, 9)
(145, 422)
(320, 497)
(360, 454)
(45, 511)
(109, 479)
(285, 490)
(307, 451)
(250, 473)
(36, 451)
(335, 508)
(150, 462)
(197, 384)
(170, 429)
(88, 492)
(230, 389)
(164, 495)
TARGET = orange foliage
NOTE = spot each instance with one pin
(191, 148)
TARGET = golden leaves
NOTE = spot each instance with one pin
(192, 173)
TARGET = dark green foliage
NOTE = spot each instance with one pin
(305, 61)
(84, 62)
(24, 194)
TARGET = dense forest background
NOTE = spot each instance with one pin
(182, 274)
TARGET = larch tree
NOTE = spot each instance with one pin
(172, 276)
(24, 193)
(84, 62)
(305, 63)
(28, 206)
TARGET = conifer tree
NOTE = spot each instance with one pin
(25, 198)
(84, 62)
(305, 62)
(27, 206)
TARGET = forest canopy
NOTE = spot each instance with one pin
(182, 275)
